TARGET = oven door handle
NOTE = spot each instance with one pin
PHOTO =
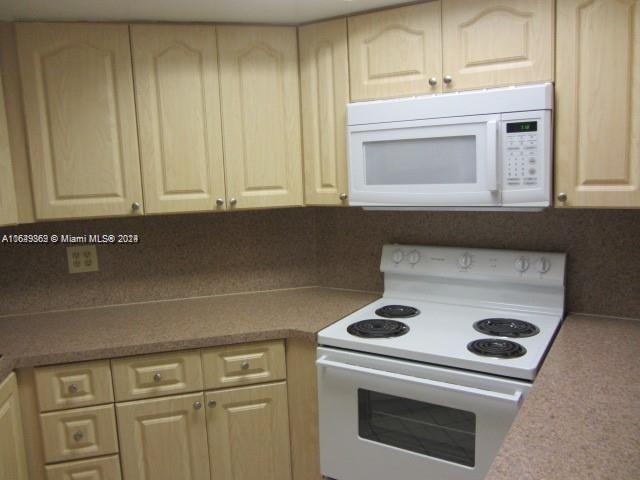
(511, 398)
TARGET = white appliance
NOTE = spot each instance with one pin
(424, 383)
(466, 150)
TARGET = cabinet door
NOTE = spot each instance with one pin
(8, 207)
(163, 439)
(249, 433)
(396, 52)
(488, 43)
(13, 464)
(598, 103)
(324, 90)
(80, 115)
(261, 115)
(178, 108)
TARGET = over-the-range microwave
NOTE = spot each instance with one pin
(484, 149)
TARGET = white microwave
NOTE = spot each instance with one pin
(485, 149)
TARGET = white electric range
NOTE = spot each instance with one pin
(424, 383)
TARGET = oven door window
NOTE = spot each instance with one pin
(424, 428)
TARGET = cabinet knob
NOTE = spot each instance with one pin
(447, 79)
(562, 197)
(433, 81)
(78, 436)
(244, 365)
(135, 206)
(73, 388)
(157, 377)
(211, 403)
(219, 202)
(197, 405)
(343, 196)
(233, 201)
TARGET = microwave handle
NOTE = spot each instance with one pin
(492, 150)
(515, 398)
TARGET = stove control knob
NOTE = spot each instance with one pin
(521, 264)
(465, 260)
(413, 257)
(543, 265)
(397, 256)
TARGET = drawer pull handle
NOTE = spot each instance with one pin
(73, 388)
(244, 365)
(197, 405)
(157, 377)
(78, 436)
(212, 403)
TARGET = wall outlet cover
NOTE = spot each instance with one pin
(82, 258)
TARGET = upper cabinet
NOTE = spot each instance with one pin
(488, 43)
(178, 108)
(598, 103)
(396, 52)
(324, 91)
(8, 207)
(80, 115)
(261, 115)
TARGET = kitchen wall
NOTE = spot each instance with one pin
(178, 256)
(205, 254)
(603, 247)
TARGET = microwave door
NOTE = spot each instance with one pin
(442, 162)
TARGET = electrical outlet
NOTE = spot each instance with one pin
(82, 258)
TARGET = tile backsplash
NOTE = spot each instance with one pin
(205, 254)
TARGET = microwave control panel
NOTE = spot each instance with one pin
(521, 169)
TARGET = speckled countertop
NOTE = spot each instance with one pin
(107, 332)
(581, 420)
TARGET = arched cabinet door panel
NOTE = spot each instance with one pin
(178, 106)
(260, 115)
(598, 103)
(324, 84)
(396, 52)
(489, 43)
(80, 116)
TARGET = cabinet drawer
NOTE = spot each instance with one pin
(105, 468)
(73, 385)
(243, 364)
(79, 433)
(157, 375)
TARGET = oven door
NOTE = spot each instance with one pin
(379, 424)
(437, 162)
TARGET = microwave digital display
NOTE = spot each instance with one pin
(522, 127)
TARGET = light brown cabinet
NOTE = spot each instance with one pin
(324, 93)
(13, 464)
(80, 116)
(396, 52)
(261, 115)
(249, 433)
(178, 109)
(8, 205)
(448, 45)
(164, 438)
(598, 103)
(103, 468)
(489, 43)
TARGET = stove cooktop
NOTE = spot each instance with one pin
(507, 343)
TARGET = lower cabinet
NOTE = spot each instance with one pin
(164, 438)
(249, 433)
(103, 468)
(12, 453)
